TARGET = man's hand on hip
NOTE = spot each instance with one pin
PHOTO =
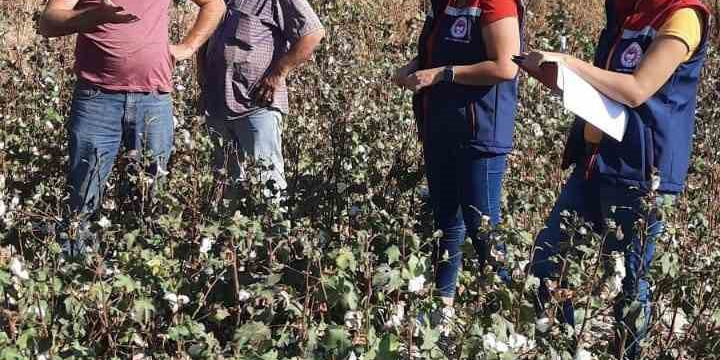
(265, 92)
(181, 52)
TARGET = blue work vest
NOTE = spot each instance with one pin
(482, 117)
(658, 139)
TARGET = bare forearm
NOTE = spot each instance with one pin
(54, 23)
(623, 88)
(300, 52)
(207, 20)
(485, 73)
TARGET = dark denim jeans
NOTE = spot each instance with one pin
(464, 183)
(100, 122)
(594, 200)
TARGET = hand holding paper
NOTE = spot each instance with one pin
(579, 96)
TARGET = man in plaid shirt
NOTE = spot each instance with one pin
(243, 78)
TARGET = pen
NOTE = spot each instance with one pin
(518, 59)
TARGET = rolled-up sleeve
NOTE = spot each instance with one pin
(297, 19)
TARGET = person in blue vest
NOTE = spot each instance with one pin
(465, 101)
(649, 58)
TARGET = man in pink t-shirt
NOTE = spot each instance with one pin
(123, 64)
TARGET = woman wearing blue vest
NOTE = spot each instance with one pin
(465, 103)
(649, 58)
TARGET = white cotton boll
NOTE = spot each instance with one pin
(416, 284)
(244, 296)
(14, 202)
(161, 172)
(104, 223)
(583, 231)
(172, 300)
(655, 182)
(43, 356)
(183, 299)
(542, 324)
(352, 356)
(583, 354)
(16, 268)
(678, 320)
(205, 245)
(286, 297)
(517, 341)
(537, 130)
(353, 320)
(3, 208)
(185, 137)
(491, 342)
(396, 317)
(619, 265)
(170, 297)
(253, 254)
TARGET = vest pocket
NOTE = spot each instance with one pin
(481, 119)
(631, 159)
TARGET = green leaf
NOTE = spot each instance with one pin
(338, 339)
(142, 310)
(125, 283)
(220, 313)
(393, 254)
(345, 260)
(430, 338)
(388, 347)
(252, 334)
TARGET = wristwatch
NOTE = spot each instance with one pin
(448, 75)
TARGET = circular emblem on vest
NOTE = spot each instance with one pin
(632, 56)
(460, 27)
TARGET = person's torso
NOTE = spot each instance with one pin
(132, 57)
(240, 53)
(482, 115)
(658, 139)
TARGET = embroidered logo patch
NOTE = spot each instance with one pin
(632, 56)
(460, 28)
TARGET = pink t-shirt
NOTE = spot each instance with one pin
(131, 57)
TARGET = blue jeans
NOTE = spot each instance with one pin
(594, 201)
(464, 183)
(100, 122)
(257, 136)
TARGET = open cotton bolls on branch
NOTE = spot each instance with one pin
(17, 269)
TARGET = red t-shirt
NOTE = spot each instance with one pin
(131, 57)
(494, 10)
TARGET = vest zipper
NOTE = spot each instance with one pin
(428, 63)
(473, 119)
(592, 160)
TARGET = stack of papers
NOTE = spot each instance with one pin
(583, 100)
(579, 97)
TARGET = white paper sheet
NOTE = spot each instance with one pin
(584, 101)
